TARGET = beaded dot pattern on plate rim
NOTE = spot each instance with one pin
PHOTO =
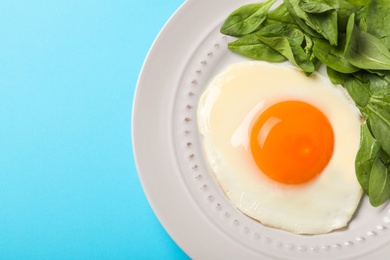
(192, 89)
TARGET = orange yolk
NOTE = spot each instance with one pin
(292, 142)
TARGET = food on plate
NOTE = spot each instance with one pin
(282, 145)
(350, 37)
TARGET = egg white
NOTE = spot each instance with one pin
(226, 112)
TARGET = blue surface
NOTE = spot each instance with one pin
(68, 184)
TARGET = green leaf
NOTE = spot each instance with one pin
(364, 50)
(344, 10)
(379, 123)
(333, 56)
(281, 15)
(362, 24)
(356, 87)
(308, 49)
(334, 76)
(246, 19)
(379, 183)
(313, 6)
(290, 49)
(381, 99)
(283, 30)
(378, 82)
(368, 151)
(358, 91)
(252, 47)
(324, 23)
(298, 20)
(378, 20)
(359, 2)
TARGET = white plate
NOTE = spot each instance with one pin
(182, 191)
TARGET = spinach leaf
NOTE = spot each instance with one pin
(298, 20)
(334, 76)
(290, 49)
(379, 123)
(283, 29)
(359, 2)
(378, 82)
(280, 15)
(362, 24)
(364, 50)
(333, 56)
(357, 88)
(312, 6)
(378, 20)
(252, 47)
(344, 10)
(379, 183)
(324, 23)
(246, 19)
(368, 151)
(381, 99)
(308, 49)
(358, 91)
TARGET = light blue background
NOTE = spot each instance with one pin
(68, 184)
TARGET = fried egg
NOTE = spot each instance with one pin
(282, 146)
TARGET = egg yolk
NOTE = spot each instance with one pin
(292, 142)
